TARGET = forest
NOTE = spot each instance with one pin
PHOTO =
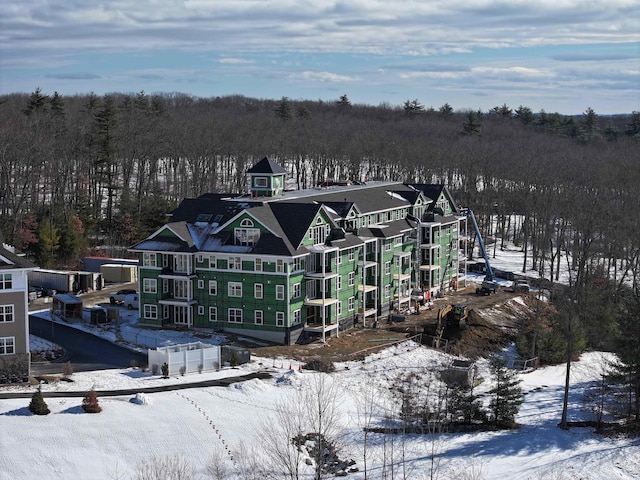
(90, 174)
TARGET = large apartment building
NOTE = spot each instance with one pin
(276, 265)
(14, 316)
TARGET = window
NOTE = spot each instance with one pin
(339, 258)
(339, 309)
(213, 314)
(235, 315)
(398, 241)
(387, 268)
(258, 265)
(352, 254)
(7, 345)
(151, 311)
(200, 258)
(298, 264)
(247, 236)
(165, 286)
(279, 292)
(6, 313)
(234, 289)
(387, 291)
(200, 284)
(351, 279)
(150, 285)
(149, 260)
(280, 266)
(200, 309)
(235, 263)
(351, 304)
(181, 288)
(297, 290)
(387, 245)
(212, 261)
(279, 319)
(6, 281)
(297, 317)
(260, 182)
(258, 290)
(339, 282)
(213, 287)
(258, 317)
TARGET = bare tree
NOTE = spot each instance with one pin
(174, 467)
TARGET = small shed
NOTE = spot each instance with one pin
(119, 273)
(234, 355)
(67, 306)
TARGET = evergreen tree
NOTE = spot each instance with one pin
(525, 115)
(506, 395)
(283, 112)
(446, 110)
(49, 241)
(472, 125)
(38, 406)
(611, 132)
(343, 102)
(413, 108)
(633, 127)
(90, 402)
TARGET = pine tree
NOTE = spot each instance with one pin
(90, 402)
(472, 125)
(446, 110)
(283, 112)
(38, 406)
(507, 394)
(343, 102)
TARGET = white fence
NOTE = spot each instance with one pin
(188, 355)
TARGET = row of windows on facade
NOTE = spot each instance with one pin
(181, 263)
(235, 315)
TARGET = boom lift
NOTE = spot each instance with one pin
(489, 285)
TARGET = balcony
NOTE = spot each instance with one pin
(320, 328)
(170, 273)
(319, 273)
(319, 302)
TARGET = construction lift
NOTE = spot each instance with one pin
(489, 285)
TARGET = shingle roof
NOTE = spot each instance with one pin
(267, 165)
(294, 219)
(9, 260)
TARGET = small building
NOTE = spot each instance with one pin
(119, 273)
(67, 307)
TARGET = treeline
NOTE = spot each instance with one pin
(84, 170)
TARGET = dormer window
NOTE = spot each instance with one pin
(247, 235)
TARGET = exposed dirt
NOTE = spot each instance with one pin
(492, 322)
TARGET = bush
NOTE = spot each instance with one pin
(320, 365)
(200, 367)
(165, 370)
(90, 402)
(155, 368)
(183, 370)
(38, 406)
(67, 370)
(133, 363)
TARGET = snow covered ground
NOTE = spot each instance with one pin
(196, 424)
(199, 424)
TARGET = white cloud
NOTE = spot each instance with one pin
(325, 77)
(234, 61)
(520, 72)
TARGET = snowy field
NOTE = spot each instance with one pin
(228, 423)
(198, 424)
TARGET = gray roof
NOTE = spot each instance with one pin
(267, 166)
(9, 260)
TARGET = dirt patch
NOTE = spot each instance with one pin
(492, 322)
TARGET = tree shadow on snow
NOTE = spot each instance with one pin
(19, 412)
(74, 410)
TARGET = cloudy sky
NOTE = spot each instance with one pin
(557, 55)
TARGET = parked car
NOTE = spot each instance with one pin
(120, 295)
(131, 301)
(521, 286)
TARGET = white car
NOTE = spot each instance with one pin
(132, 301)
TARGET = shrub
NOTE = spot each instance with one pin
(183, 370)
(67, 370)
(320, 365)
(133, 363)
(38, 406)
(155, 368)
(90, 402)
(165, 370)
(200, 367)
(234, 360)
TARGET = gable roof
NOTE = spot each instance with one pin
(207, 208)
(295, 219)
(9, 260)
(267, 165)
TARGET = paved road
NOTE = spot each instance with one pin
(86, 352)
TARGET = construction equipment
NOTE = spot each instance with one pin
(489, 285)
